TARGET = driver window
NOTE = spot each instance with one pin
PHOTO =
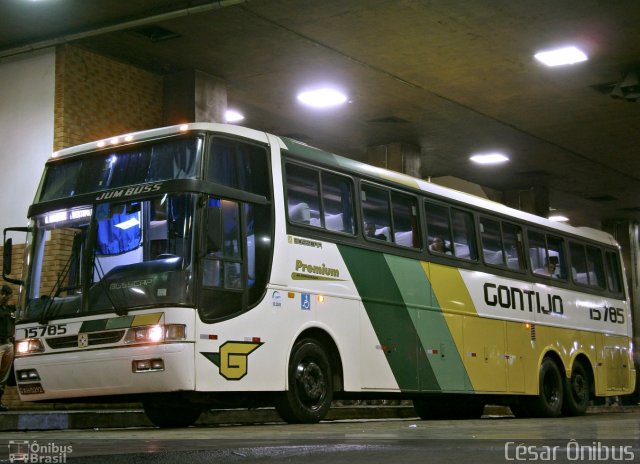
(223, 284)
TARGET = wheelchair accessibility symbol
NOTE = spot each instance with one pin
(305, 301)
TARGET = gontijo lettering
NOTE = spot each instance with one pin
(524, 300)
(315, 269)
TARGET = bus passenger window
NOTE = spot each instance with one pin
(464, 243)
(613, 275)
(595, 267)
(512, 241)
(337, 201)
(578, 264)
(303, 195)
(405, 220)
(376, 215)
(491, 239)
(438, 228)
(547, 255)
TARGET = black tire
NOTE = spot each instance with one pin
(310, 388)
(168, 415)
(576, 391)
(548, 402)
(450, 408)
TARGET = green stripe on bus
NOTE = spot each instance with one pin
(443, 357)
(385, 306)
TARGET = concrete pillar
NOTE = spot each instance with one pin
(627, 234)
(533, 200)
(194, 96)
(400, 157)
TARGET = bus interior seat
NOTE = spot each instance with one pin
(493, 257)
(404, 238)
(513, 263)
(334, 222)
(300, 213)
(462, 250)
(384, 231)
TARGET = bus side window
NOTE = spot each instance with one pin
(512, 240)
(595, 267)
(578, 264)
(337, 202)
(464, 242)
(438, 228)
(405, 220)
(376, 214)
(303, 195)
(491, 238)
(613, 276)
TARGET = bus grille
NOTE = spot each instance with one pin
(96, 338)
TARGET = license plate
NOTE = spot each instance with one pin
(31, 389)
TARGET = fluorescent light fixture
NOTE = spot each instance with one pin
(322, 98)
(558, 218)
(233, 116)
(489, 158)
(561, 56)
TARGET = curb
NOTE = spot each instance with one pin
(124, 418)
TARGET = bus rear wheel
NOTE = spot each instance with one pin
(310, 386)
(170, 415)
(548, 402)
(576, 391)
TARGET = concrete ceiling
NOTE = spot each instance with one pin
(452, 77)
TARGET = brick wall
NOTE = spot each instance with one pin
(98, 97)
(95, 97)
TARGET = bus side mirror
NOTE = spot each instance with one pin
(7, 254)
(6, 258)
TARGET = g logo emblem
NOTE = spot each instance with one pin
(234, 359)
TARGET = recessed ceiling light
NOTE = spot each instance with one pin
(322, 98)
(558, 218)
(489, 158)
(233, 116)
(561, 56)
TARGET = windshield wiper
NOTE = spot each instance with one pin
(98, 267)
(55, 291)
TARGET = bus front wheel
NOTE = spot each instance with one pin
(310, 385)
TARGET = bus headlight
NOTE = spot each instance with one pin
(29, 346)
(156, 334)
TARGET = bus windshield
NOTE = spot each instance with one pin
(111, 257)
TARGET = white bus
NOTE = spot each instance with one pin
(206, 265)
